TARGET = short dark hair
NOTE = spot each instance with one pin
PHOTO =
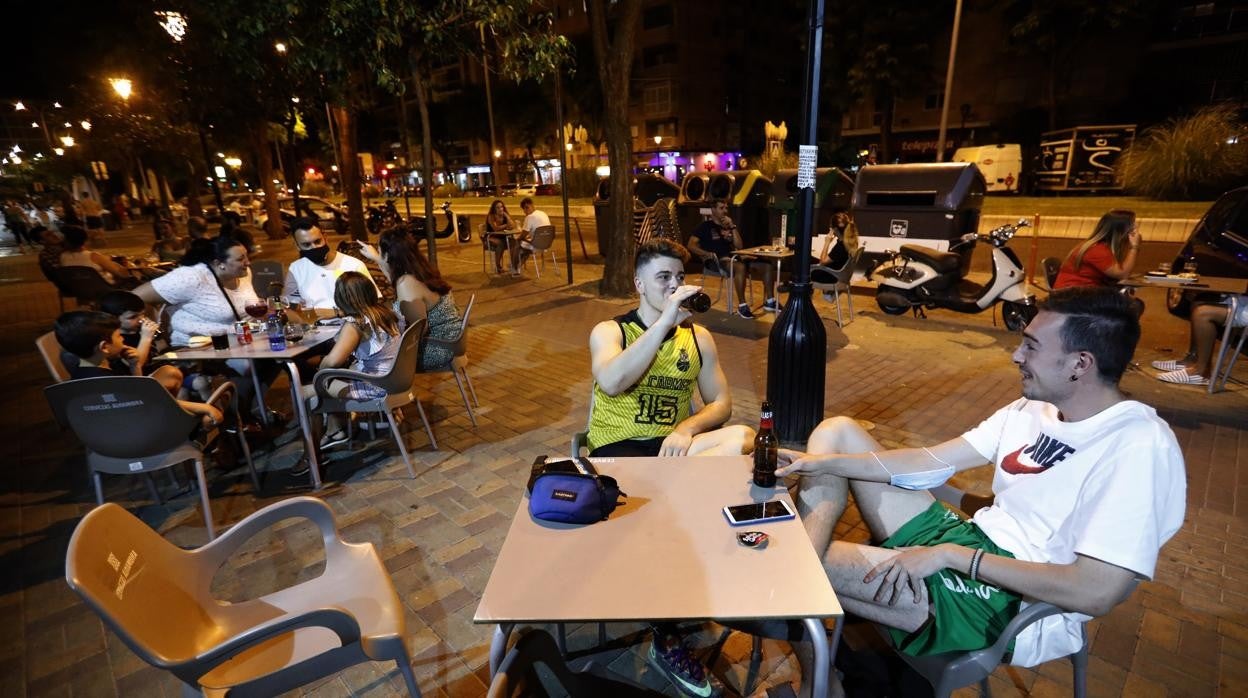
(81, 331)
(1099, 320)
(720, 200)
(659, 247)
(526, 201)
(118, 302)
(75, 236)
(303, 223)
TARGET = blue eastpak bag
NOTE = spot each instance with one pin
(571, 492)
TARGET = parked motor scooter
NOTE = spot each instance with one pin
(920, 277)
(456, 225)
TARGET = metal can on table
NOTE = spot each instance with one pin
(242, 330)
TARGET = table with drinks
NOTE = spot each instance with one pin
(278, 338)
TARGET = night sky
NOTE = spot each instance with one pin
(48, 46)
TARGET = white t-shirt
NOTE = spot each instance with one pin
(312, 286)
(199, 308)
(1111, 487)
(535, 220)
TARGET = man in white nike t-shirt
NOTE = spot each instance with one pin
(1088, 486)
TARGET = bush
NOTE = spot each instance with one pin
(445, 191)
(316, 188)
(582, 181)
(1197, 157)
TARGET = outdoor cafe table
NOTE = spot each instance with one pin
(666, 554)
(763, 252)
(511, 236)
(1210, 284)
(259, 349)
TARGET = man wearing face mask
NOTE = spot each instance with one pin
(310, 279)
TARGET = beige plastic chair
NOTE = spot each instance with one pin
(841, 285)
(458, 366)
(103, 412)
(397, 384)
(50, 350)
(543, 239)
(158, 599)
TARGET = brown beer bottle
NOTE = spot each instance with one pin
(765, 445)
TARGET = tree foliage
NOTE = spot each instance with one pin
(1194, 157)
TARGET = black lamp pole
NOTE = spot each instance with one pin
(797, 347)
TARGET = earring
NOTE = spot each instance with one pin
(1074, 378)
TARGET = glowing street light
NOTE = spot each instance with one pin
(280, 47)
(174, 25)
(122, 86)
(56, 105)
(67, 141)
(34, 124)
(59, 151)
(68, 125)
(658, 140)
(567, 147)
(86, 125)
(498, 153)
(19, 107)
(234, 162)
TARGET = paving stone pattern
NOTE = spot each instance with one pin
(914, 380)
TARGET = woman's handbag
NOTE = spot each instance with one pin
(571, 492)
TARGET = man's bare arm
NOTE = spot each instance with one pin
(713, 386)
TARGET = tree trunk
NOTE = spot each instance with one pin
(426, 156)
(614, 55)
(193, 189)
(347, 135)
(264, 166)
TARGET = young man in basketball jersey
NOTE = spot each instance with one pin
(646, 365)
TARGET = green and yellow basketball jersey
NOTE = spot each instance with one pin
(654, 405)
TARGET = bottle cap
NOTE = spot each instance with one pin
(752, 539)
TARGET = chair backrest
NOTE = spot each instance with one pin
(51, 273)
(83, 283)
(50, 350)
(543, 237)
(461, 342)
(265, 272)
(846, 273)
(121, 416)
(137, 582)
(1052, 265)
(399, 379)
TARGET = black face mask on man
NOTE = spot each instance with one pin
(316, 255)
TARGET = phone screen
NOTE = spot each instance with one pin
(762, 511)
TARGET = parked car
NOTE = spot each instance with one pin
(327, 212)
(508, 190)
(485, 190)
(1219, 246)
(208, 202)
(547, 190)
(526, 190)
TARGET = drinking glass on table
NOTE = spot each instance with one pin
(257, 309)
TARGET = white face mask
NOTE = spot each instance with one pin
(922, 480)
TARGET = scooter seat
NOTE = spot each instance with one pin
(941, 262)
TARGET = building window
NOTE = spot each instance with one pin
(663, 129)
(933, 101)
(655, 56)
(658, 99)
(655, 17)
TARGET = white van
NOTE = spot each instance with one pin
(1000, 164)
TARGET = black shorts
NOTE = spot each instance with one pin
(630, 448)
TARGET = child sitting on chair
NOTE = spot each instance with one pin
(370, 336)
(94, 341)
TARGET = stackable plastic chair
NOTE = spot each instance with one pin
(83, 283)
(1222, 367)
(841, 285)
(1052, 265)
(158, 599)
(50, 350)
(52, 273)
(397, 384)
(458, 366)
(131, 425)
(723, 270)
(542, 243)
(265, 272)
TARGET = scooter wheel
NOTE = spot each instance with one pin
(1017, 315)
(886, 299)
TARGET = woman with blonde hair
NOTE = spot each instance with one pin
(369, 338)
(1106, 257)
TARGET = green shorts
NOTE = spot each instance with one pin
(964, 615)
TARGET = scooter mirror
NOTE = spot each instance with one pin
(1023, 223)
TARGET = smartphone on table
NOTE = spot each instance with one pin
(759, 512)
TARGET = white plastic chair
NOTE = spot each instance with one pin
(841, 285)
(542, 242)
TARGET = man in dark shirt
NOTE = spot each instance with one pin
(715, 240)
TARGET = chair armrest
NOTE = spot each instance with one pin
(226, 544)
(1029, 615)
(579, 441)
(224, 398)
(340, 622)
(325, 375)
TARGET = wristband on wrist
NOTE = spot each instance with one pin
(975, 560)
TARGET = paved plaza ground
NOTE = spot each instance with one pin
(915, 380)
